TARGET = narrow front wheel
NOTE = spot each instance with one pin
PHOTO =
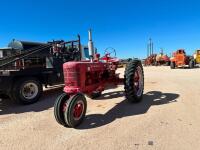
(59, 107)
(75, 110)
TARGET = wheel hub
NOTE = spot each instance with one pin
(30, 90)
(78, 110)
(138, 81)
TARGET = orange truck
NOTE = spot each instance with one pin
(180, 59)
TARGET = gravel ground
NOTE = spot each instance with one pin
(167, 118)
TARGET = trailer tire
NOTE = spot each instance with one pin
(134, 81)
(27, 90)
(59, 107)
(75, 110)
(172, 65)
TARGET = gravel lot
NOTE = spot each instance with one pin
(167, 118)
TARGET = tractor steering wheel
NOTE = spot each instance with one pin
(109, 51)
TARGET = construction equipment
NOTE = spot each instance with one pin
(197, 57)
(90, 78)
(180, 59)
(32, 65)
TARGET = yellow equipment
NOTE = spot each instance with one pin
(197, 56)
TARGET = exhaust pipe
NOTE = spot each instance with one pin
(90, 46)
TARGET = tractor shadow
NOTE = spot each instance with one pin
(125, 109)
(111, 95)
(7, 106)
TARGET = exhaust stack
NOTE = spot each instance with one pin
(90, 45)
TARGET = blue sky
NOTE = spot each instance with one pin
(125, 25)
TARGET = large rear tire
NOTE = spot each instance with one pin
(75, 110)
(134, 81)
(27, 90)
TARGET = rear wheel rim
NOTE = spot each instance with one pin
(78, 110)
(138, 81)
(29, 90)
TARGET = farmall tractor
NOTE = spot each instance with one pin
(180, 59)
(162, 59)
(197, 57)
(150, 60)
(91, 78)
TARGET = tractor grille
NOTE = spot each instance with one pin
(72, 77)
(181, 59)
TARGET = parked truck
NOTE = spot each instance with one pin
(29, 66)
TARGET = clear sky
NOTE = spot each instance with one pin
(125, 25)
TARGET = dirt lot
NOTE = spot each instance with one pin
(167, 118)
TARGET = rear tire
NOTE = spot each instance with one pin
(134, 81)
(27, 90)
(75, 110)
(172, 65)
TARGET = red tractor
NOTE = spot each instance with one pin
(180, 59)
(150, 60)
(162, 59)
(90, 78)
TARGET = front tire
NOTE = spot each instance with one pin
(134, 81)
(75, 110)
(26, 91)
(59, 107)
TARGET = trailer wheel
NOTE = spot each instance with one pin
(172, 65)
(75, 110)
(191, 64)
(134, 81)
(59, 108)
(27, 90)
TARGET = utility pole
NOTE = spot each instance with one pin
(150, 47)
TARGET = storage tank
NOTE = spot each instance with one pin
(23, 45)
